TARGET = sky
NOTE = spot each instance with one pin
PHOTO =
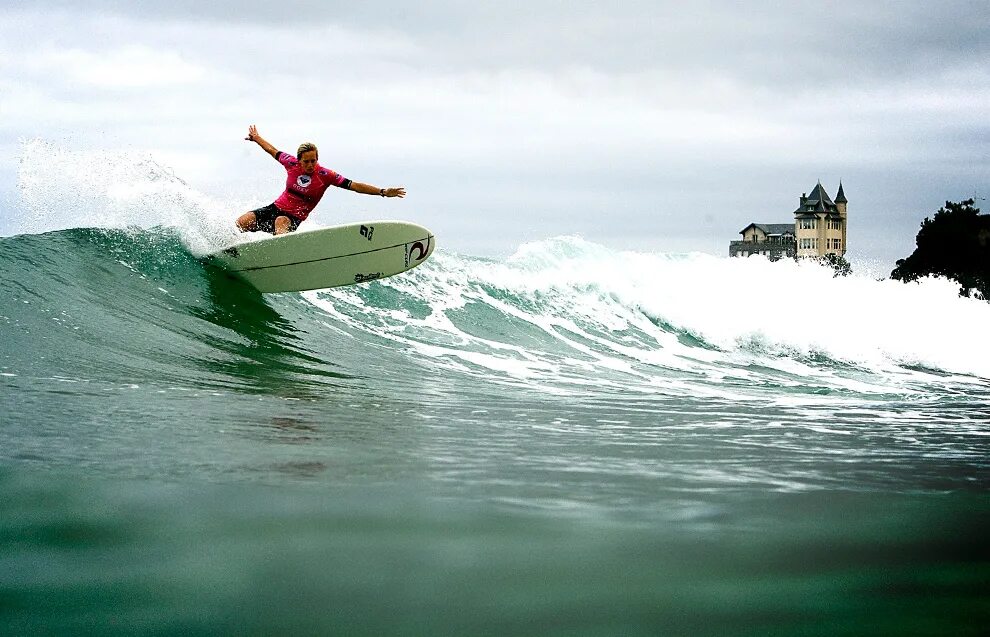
(650, 126)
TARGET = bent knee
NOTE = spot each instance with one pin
(246, 221)
(283, 224)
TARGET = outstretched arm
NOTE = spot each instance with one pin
(367, 189)
(253, 136)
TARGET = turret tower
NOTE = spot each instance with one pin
(840, 203)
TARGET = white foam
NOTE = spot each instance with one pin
(779, 316)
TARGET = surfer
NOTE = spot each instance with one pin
(306, 181)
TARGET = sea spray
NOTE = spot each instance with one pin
(59, 188)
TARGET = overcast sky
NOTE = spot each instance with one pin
(657, 126)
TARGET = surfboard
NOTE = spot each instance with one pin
(327, 257)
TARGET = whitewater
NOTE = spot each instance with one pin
(572, 439)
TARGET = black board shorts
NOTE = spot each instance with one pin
(264, 219)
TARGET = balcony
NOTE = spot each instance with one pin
(772, 249)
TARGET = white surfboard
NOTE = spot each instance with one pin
(328, 257)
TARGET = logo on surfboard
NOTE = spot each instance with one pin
(367, 231)
(361, 278)
(416, 251)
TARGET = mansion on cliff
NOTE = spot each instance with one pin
(819, 229)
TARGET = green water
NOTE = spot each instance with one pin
(476, 448)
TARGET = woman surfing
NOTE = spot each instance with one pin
(306, 181)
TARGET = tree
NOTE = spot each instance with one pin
(838, 263)
(955, 244)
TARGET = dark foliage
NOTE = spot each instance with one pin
(955, 244)
(838, 263)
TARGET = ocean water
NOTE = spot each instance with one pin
(572, 440)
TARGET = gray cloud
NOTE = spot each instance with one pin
(803, 43)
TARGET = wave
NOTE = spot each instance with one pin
(562, 315)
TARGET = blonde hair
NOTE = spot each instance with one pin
(305, 148)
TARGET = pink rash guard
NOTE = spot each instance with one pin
(302, 191)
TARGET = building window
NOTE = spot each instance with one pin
(808, 224)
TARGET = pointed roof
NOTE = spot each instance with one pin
(817, 201)
(840, 197)
(820, 194)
